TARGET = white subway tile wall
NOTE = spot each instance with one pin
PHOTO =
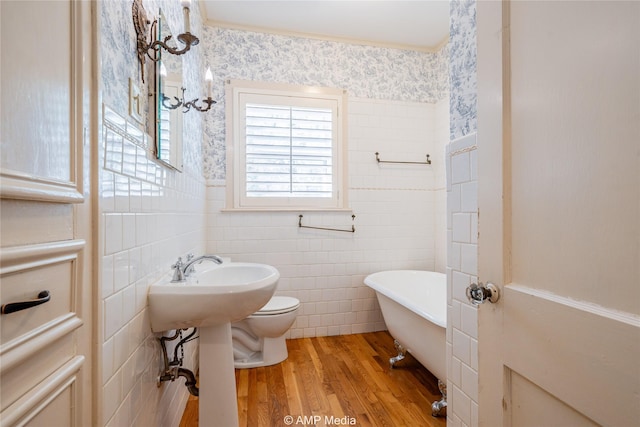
(441, 133)
(462, 267)
(149, 216)
(398, 208)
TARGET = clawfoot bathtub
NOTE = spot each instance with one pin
(414, 307)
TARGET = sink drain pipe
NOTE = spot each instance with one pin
(190, 380)
(173, 369)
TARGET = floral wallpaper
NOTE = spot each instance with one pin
(119, 62)
(462, 68)
(364, 71)
(117, 54)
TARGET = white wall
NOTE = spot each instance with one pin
(147, 221)
(148, 216)
(395, 107)
(368, 72)
(441, 136)
(462, 217)
(396, 217)
(462, 324)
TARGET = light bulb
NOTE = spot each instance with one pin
(208, 77)
(185, 9)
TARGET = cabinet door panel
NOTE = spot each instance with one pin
(41, 115)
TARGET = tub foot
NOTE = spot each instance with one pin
(400, 356)
(439, 408)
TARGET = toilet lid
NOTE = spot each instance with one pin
(279, 305)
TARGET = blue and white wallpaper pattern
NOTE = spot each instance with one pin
(119, 63)
(462, 68)
(363, 71)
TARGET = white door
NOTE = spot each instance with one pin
(559, 212)
(45, 225)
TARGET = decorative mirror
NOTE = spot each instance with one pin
(168, 90)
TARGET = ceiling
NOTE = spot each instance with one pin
(421, 24)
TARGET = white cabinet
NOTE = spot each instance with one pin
(45, 349)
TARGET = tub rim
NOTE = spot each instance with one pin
(402, 300)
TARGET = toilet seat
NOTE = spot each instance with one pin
(278, 305)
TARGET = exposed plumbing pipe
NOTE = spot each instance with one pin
(171, 370)
(181, 342)
(164, 347)
(190, 380)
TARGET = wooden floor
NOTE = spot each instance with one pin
(342, 376)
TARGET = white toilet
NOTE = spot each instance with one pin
(259, 339)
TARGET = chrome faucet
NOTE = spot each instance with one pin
(182, 270)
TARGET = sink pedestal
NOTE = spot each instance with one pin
(218, 403)
(210, 300)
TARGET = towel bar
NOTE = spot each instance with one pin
(353, 228)
(428, 162)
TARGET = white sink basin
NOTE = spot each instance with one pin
(224, 293)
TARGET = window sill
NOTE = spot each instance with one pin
(292, 209)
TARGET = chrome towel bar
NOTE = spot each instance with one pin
(353, 227)
(427, 162)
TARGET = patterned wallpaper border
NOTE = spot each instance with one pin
(364, 71)
(462, 68)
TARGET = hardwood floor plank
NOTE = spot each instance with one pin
(344, 390)
(338, 376)
(311, 382)
(336, 407)
(291, 387)
(278, 402)
(190, 415)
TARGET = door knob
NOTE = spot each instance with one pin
(479, 293)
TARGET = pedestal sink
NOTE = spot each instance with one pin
(210, 300)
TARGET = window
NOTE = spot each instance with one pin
(285, 147)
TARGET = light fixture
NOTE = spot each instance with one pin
(145, 49)
(187, 105)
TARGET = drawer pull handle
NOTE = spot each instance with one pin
(12, 307)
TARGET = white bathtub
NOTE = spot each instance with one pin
(414, 307)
